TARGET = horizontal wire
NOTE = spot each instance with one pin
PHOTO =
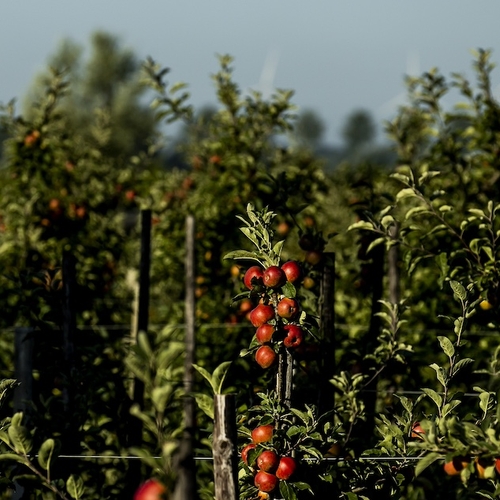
(210, 459)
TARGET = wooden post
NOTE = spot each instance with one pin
(186, 483)
(135, 432)
(23, 368)
(327, 333)
(69, 324)
(369, 396)
(225, 450)
(284, 377)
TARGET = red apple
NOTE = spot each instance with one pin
(246, 450)
(150, 490)
(130, 195)
(417, 431)
(261, 314)
(455, 466)
(313, 257)
(246, 305)
(288, 308)
(262, 433)
(80, 212)
(274, 277)
(308, 283)
(265, 482)
(264, 333)
(306, 242)
(253, 276)
(283, 228)
(294, 336)
(268, 461)
(265, 356)
(54, 204)
(292, 270)
(286, 468)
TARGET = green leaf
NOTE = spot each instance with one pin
(401, 178)
(374, 243)
(20, 439)
(362, 224)
(351, 496)
(219, 375)
(160, 396)
(75, 486)
(13, 457)
(440, 374)
(144, 344)
(249, 233)
(406, 193)
(45, 453)
(302, 415)
(205, 403)
(477, 213)
(205, 374)
(461, 363)
(289, 290)
(484, 399)
(458, 290)
(286, 491)
(300, 485)
(278, 247)
(449, 407)
(5, 438)
(241, 254)
(415, 211)
(294, 430)
(407, 403)
(444, 268)
(429, 459)
(145, 456)
(438, 400)
(447, 346)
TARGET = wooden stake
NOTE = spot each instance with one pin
(23, 368)
(284, 377)
(135, 432)
(225, 451)
(327, 333)
(69, 324)
(186, 484)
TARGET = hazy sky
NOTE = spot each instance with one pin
(338, 55)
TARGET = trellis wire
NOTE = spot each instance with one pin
(210, 459)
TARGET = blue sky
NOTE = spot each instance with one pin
(337, 55)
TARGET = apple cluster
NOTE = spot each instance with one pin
(276, 317)
(267, 465)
